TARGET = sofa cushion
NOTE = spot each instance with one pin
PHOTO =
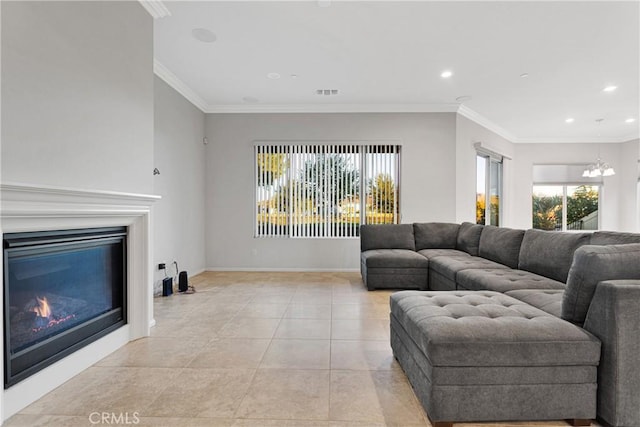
(591, 265)
(613, 238)
(503, 280)
(386, 236)
(501, 245)
(549, 300)
(435, 235)
(432, 253)
(484, 328)
(468, 239)
(550, 253)
(393, 258)
(450, 266)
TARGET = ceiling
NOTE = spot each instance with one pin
(388, 56)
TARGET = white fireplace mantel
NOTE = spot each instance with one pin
(26, 207)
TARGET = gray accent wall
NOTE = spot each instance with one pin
(179, 154)
(77, 95)
(427, 181)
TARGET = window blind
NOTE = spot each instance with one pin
(325, 191)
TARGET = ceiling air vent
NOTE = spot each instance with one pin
(327, 92)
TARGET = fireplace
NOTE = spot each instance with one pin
(62, 291)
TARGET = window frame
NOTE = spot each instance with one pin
(361, 149)
(565, 211)
(491, 159)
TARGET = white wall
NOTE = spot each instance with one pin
(179, 154)
(628, 171)
(427, 181)
(467, 134)
(616, 191)
(77, 95)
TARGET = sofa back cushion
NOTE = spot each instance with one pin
(386, 236)
(468, 239)
(594, 264)
(435, 235)
(501, 245)
(550, 253)
(613, 238)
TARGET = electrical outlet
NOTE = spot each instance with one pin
(162, 266)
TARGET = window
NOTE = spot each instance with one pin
(488, 189)
(325, 190)
(566, 207)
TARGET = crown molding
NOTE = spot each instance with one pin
(334, 108)
(172, 80)
(156, 8)
(486, 123)
(588, 140)
(182, 88)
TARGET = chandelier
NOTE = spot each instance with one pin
(599, 168)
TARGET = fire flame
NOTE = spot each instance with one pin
(43, 309)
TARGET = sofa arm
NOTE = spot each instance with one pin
(614, 318)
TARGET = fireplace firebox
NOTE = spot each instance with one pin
(62, 291)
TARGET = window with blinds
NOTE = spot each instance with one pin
(325, 191)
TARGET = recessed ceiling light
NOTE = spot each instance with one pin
(446, 74)
(630, 120)
(463, 98)
(203, 35)
(569, 120)
(273, 76)
(250, 100)
(610, 88)
(523, 75)
(294, 76)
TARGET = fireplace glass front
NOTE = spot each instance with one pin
(62, 291)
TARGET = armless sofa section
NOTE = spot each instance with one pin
(532, 325)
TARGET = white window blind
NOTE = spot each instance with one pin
(324, 190)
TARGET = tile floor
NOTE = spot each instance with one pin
(250, 349)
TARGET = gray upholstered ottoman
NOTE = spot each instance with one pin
(484, 356)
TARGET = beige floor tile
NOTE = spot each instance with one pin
(203, 393)
(308, 311)
(374, 424)
(109, 389)
(279, 423)
(187, 327)
(185, 422)
(360, 311)
(287, 395)
(304, 329)
(373, 396)
(263, 310)
(250, 328)
(155, 352)
(362, 355)
(313, 297)
(27, 420)
(279, 298)
(353, 298)
(297, 354)
(360, 329)
(231, 353)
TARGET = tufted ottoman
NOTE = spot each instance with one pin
(484, 356)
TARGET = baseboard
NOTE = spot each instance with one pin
(284, 270)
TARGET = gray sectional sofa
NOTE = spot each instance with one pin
(505, 325)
